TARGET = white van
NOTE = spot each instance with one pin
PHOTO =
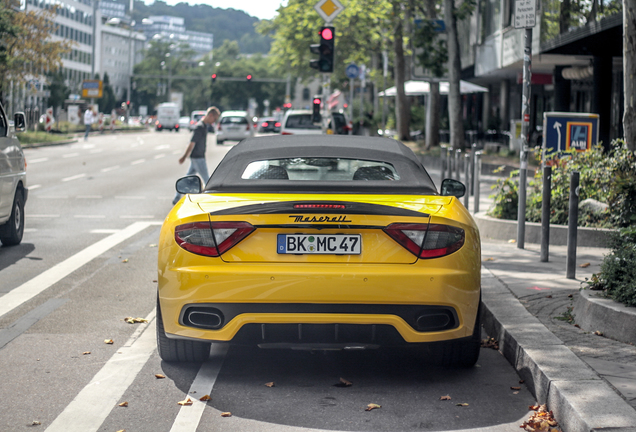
(13, 190)
(167, 116)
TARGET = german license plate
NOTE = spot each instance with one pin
(320, 244)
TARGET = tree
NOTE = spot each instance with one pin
(25, 47)
(401, 102)
(108, 100)
(629, 71)
(59, 90)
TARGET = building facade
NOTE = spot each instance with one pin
(169, 27)
(116, 58)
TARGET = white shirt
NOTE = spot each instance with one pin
(88, 117)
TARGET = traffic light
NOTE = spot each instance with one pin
(315, 113)
(249, 78)
(325, 49)
(213, 78)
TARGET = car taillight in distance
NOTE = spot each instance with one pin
(264, 124)
(277, 124)
(427, 240)
(211, 238)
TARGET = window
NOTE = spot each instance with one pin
(305, 94)
(320, 169)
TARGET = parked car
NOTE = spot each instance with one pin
(299, 122)
(167, 116)
(184, 122)
(195, 116)
(13, 186)
(234, 125)
(302, 255)
(268, 124)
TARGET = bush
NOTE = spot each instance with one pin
(618, 270)
(608, 177)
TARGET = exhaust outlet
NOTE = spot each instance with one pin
(432, 322)
(204, 319)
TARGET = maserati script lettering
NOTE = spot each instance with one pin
(300, 218)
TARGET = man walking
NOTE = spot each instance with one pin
(196, 148)
(89, 117)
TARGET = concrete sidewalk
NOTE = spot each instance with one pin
(588, 380)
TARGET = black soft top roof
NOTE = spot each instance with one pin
(413, 176)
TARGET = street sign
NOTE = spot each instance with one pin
(92, 89)
(329, 9)
(525, 13)
(564, 131)
(352, 71)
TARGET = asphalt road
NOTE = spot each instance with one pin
(88, 260)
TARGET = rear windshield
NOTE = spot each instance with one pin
(339, 120)
(320, 169)
(197, 117)
(234, 120)
(300, 121)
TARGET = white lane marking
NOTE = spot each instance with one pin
(90, 216)
(75, 177)
(89, 197)
(110, 168)
(138, 161)
(30, 230)
(32, 161)
(34, 187)
(94, 403)
(137, 216)
(163, 146)
(70, 155)
(53, 196)
(130, 197)
(96, 151)
(42, 215)
(177, 152)
(189, 416)
(104, 231)
(44, 280)
(159, 156)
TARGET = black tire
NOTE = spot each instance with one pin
(463, 353)
(11, 232)
(219, 142)
(179, 350)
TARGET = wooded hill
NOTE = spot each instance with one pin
(225, 24)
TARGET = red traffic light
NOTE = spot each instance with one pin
(316, 101)
(128, 103)
(249, 77)
(213, 76)
(326, 33)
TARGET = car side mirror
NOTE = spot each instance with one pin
(189, 185)
(452, 187)
(19, 122)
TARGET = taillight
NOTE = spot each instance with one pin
(427, 241)
(264, 124)
(277, 124)
(211, 239)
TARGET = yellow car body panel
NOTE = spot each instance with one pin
(385, 273)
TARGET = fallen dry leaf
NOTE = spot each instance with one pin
(489, 259)
(462, 404)
(109, 341)
(541, 420)
(548, 296)
(186, 402)
(521, 381)
(121, 430)
(515, 392)
(372, 406)
(445, 398)
(131, 320)
(123, 404)
(512, 241)
(270, 384)
(226, 414)
(598, 333)
(577, 326)
(125, 261)
(86, 352)
(585, 265)
(570, 296)
(490, 343)
(344, 383)
(515, 388)
(155, 280)
(205, 398)
(35, 423)
(159, 376)
(152, 245)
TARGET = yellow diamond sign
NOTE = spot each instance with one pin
(328, 9)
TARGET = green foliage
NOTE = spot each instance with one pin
(576, 13)
(618, 270)
(608, 177)
(433, 55)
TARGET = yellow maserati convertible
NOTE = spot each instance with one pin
(319, 242)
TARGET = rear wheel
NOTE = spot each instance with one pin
(219, 142)
(177, 350)
(11, 232)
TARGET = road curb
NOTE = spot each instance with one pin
(505, 229)
(580, 399)
(614, 320)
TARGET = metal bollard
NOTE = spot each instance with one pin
(458, 155)
(467, 179)
(545, 214)
(472, 167)
(573, 219)
(476, 180)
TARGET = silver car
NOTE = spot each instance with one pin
(13, 190)
(235, 126)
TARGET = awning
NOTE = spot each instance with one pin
(417, 88)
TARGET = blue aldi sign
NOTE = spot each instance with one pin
(569, 131)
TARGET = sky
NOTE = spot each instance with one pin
(262, 9)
